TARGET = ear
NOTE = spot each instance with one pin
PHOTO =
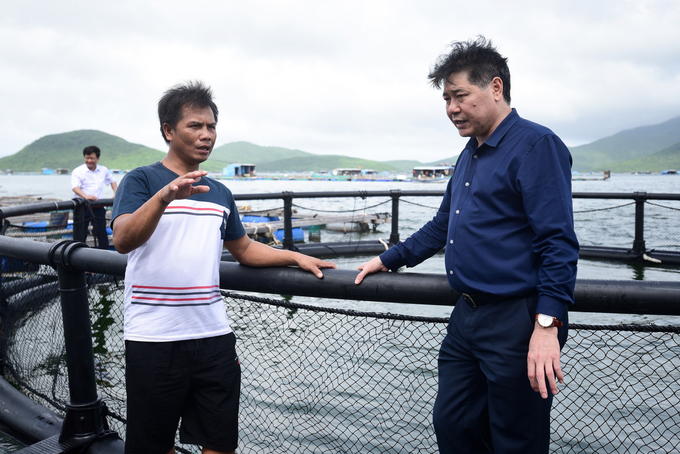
(497, 88)
(167, 130)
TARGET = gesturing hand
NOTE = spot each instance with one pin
(181, 188)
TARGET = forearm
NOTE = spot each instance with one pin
(258, 254)
(423, 244)
(252, 253)
(130, 231)
(79, 192)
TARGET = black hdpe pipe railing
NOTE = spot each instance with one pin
(592, 295)
(78, 206)
(84, 428)
(637, 252)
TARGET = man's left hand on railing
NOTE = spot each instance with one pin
(372, 266)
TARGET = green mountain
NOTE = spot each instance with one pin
(647, 148)
(625, 146)
(668, 158)
(66, 151)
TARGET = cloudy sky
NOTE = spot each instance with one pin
(331, 77)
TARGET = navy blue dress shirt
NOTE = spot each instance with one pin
(506, 219)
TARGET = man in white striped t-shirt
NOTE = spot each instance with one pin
(180, 355)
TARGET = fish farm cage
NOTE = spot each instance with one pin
(318, 378)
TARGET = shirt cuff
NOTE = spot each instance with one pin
(391, 259)
(552, 307)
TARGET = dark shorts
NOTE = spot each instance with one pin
(198, 381)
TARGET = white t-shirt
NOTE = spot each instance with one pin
(172, 281)
(91, 182)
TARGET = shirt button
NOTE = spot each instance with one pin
(451, 241)
(474, 156)
(450, 271)
(457, 211)
(467, 183)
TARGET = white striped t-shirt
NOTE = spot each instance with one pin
(172, 280)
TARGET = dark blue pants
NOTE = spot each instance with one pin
(97, 217)
(485, 403)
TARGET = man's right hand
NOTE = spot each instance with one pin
(372, 266)
(182, 188)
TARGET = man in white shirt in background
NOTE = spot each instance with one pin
(88, 181)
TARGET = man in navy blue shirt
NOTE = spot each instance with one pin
(506, 221)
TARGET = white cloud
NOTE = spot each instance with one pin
(331, 77)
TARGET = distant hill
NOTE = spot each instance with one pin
(626, 145)
(647, 148)
(668, 158)
(66, 151)
(450, 161)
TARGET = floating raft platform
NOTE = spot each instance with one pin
(371, 220)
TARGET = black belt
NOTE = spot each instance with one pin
(480, 299)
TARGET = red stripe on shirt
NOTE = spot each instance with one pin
(175, 288)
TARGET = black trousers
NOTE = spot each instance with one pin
(97, 217)
(485, 402)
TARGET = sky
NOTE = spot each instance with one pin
(331, 77)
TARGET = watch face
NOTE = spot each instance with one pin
(545, 320)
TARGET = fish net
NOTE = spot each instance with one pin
(325, 380)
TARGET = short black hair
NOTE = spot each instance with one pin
(190, 94)
(479, 59)
(92, 149)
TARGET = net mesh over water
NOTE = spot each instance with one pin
(328, 381)
(606, 222)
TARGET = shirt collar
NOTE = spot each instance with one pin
(499, 132)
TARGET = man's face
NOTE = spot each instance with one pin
(193, 138)
(473, 110)
(91, 161)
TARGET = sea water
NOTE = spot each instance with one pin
(414, 212)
